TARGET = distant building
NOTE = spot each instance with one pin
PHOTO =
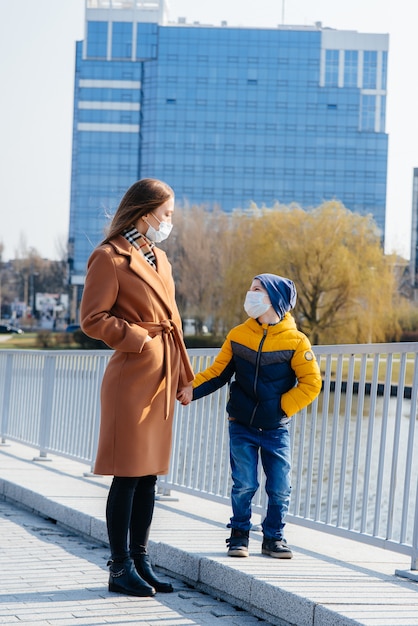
(227, 116)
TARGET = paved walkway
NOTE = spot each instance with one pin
(53, 570)
(50, 575)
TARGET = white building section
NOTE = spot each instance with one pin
(154, 11)
(345, 42)
(108, 128)
(109, 106)
(109, 84)
(351, 40)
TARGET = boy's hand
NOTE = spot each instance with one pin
(185, 395)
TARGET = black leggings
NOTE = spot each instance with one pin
(129, 511)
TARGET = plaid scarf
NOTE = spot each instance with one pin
(142, 243)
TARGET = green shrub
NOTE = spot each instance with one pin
(409, 336)
(203, 341)
(63, 339)
(44, 338)
(88, 343)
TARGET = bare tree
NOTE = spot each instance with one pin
(196, 252)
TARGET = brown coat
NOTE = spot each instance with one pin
(124, 300)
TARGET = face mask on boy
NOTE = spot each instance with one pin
(255, 304)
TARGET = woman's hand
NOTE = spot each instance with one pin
(185, 395)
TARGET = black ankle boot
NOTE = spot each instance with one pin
(144, 569)
(123, 578)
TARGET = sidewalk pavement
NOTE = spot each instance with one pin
(330, 581)
(50, 575)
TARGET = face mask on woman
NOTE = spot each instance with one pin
(255, 304)
(159, 235)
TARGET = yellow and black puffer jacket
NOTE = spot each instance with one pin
(275, 373)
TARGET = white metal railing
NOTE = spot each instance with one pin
(354, 468)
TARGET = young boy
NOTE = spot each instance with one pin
(276, 375)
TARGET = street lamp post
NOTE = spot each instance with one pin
(32, 296)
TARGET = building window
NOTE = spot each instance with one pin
(252, 77)
(369, 69)
(368, 113)
(382, 114)
(331, 68)
(350, 68)
(384, 69)
(146, 41)
(97, 39)
(121, 40)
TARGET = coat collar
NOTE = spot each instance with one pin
(287, 323)
(156, 279)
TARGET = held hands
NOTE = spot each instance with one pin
(185, 394)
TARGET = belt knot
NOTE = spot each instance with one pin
(167, 326)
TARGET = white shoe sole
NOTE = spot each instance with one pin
(238, 552)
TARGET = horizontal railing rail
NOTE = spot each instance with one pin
(354, 468)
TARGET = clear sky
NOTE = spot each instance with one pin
(37, 46)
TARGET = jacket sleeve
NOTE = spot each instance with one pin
(309, 380)
(216, 375)
(99, 297)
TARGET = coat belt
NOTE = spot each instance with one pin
(166, 328)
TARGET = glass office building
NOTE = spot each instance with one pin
(226, 115)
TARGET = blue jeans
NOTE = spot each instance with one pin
(245, 442)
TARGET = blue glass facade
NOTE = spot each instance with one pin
(227, 116)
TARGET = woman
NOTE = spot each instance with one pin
(129, 303)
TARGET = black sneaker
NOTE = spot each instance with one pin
(276, 548)
(238, 542)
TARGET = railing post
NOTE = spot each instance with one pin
(414, 555)
(412, 573)
(6, 398)
(46, 407)
(162, 487)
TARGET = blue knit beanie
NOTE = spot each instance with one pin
(281, 291)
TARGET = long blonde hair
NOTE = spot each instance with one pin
(142, 198)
